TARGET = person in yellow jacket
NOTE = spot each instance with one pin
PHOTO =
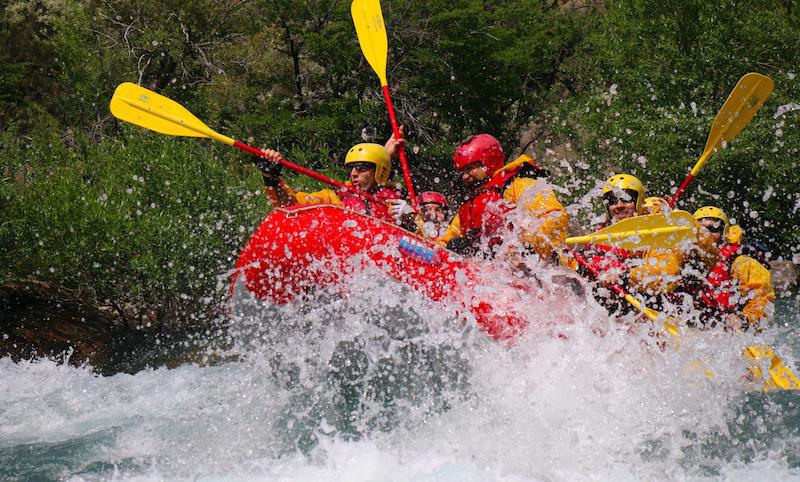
(651, 271)
(432, 220)
(370, 170)
(738, 289)
(497, 190)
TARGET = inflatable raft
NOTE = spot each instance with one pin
(299, 249)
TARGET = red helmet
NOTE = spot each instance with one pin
(482, 148)
(432, 197)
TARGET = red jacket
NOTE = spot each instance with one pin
(722, 292)
(356, 203)
(485, 211)
(604, 258)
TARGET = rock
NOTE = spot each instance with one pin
(39, 319)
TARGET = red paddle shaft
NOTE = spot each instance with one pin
(309, 173)
(680, 190)
(403, 162)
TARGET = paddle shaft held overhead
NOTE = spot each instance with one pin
(371, 32)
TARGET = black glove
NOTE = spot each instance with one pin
(462, 245)
(270, 172)
(466, 245)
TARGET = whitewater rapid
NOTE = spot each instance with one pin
(578, 397)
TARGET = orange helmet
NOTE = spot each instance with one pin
(654, 205)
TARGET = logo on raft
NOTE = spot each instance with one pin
(419, 251)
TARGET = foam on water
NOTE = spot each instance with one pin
(578, 397)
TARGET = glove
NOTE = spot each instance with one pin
(462, 245)
(399, 208)
(270, 172)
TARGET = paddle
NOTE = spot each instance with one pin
(652, 315)
(371, 32)
(145, 108)
(781, 377)
(662, 230)
(742, 104)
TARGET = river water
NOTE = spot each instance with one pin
(373, 382)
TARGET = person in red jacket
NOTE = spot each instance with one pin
(370, 170)
(496, 190)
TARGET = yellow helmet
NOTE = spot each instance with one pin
(373, 154)
(654, 205)
(713, 213)
(626, 182)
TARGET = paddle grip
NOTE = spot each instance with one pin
(403, 162)
(309, 173)
(680, 190)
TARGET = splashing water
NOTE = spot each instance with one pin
(374, 382)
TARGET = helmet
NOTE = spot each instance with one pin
(713, 213)
(654, 205)
(373, 154)
(629, 183)
(432, 197)
(482, 148)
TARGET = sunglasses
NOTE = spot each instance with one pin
(361, 166)
(627, 196)
(716, 227)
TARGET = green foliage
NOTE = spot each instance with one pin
(658, 72)
(148, 221)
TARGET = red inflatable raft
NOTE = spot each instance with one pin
(299, 249)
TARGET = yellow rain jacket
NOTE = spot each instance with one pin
(755, 285)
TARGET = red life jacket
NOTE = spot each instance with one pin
(604, 258)
(354, 202)
(721, 291)
(485, 211)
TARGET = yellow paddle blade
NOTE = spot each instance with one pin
(145, 108)
(780, 376)
(744, 101)
(662, 231)
(371, 31)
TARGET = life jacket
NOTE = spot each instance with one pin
(483, 214)
(604, 258)
(354, 202)
(721, 291)
(430, 230)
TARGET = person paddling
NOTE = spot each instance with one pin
(496, 190)
(370, 170)
(738, 289)
(651, 271)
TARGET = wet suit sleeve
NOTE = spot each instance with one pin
(755, 285)
(549, 219)
(280, 194)
(325, 196)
